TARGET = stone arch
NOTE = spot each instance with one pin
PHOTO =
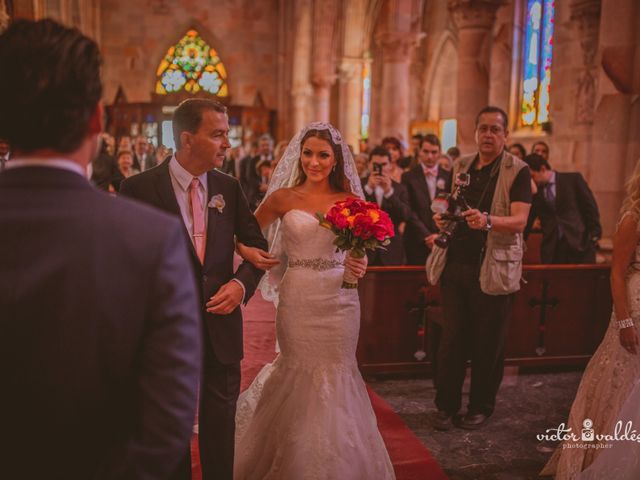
(441, 79)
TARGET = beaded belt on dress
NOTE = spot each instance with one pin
(318, 264)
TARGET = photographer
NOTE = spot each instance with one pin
(391, 197)
(480, 270)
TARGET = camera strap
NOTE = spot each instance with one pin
(494, 171)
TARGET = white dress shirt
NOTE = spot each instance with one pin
(180, 181)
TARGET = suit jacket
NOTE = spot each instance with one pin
(250, 180)
(99, 332)
(575, 215)
(397, 206)
(421, 222)
(154, 187)
(150, 161)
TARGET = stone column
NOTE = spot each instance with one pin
(397, 48)
(616, 121)
(301, 88)
(350, 80)
(474, 19)
(325, 16)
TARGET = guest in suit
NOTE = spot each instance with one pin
(124, 169)
(103, 167)
(99, 328)
(252, 184)
(568, 213)
(391, 197)
(423, 183)
(143, 157)
(214, 212)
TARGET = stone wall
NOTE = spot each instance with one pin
(137, 34)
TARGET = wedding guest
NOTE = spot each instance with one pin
(104, 166)
(362, 164)
(125, 169)
(615, 367)
(479, 273)
(99, 337)
(424, 183)
(278, 152)
(125, 143)
(249, 178)
(542, 149)
(568, 213)
(162, 152)
(454, 153)
(4, 153)
(445, 162)
(396, 150)
(391, 197)
(518, 150)
(143, 157)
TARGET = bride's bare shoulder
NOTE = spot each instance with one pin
(283, 199)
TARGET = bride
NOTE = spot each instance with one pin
(614, 369)
(307, 415)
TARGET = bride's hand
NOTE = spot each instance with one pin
(357, 266)
(629, 339)
(256, 256)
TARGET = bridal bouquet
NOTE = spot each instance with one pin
(358, 226)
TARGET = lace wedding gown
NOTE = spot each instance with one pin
(307, 415)
(604, 388)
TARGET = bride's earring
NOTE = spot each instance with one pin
(334, 167)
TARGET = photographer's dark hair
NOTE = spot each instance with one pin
(536, 162)
(432, 139)
(337, 178)
(492, 109)
(49, 86)
(381, 152)
(188, 116)
(395, 142)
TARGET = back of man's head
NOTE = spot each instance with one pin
(188, 116)
(49, 86)
(536, 162)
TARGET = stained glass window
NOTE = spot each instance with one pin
(536, 62)
(192, 65)
(365, 119)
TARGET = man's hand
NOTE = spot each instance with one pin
(373, 181)
(227, 299)
(440, 223)
(357, 266)
(476, 220)
(430, 239)
(256, 256)
(385, 183)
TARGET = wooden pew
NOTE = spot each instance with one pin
(559, 317)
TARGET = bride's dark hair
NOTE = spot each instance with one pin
(337, 178)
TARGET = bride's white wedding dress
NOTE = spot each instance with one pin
(307, 415)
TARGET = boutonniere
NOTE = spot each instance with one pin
(217, 202)
(440, 184)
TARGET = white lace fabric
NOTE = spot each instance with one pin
(307, 416)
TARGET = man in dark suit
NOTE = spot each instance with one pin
(568, 214)
(214, 212)
(143, 158)
(253, 184)
(391, 197)
(99, 328)
(424, 182)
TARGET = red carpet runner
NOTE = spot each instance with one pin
(411, 460)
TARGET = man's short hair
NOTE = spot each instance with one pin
(49, 86)
(492, 109)
(188, 116)
(453, 152)
(380, 151)
(536, 162)
(432, 139)
(266, 137)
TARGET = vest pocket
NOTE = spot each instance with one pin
(502, 270)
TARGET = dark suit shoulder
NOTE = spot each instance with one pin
(224, 177)
(134, 215)
(413, 173)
